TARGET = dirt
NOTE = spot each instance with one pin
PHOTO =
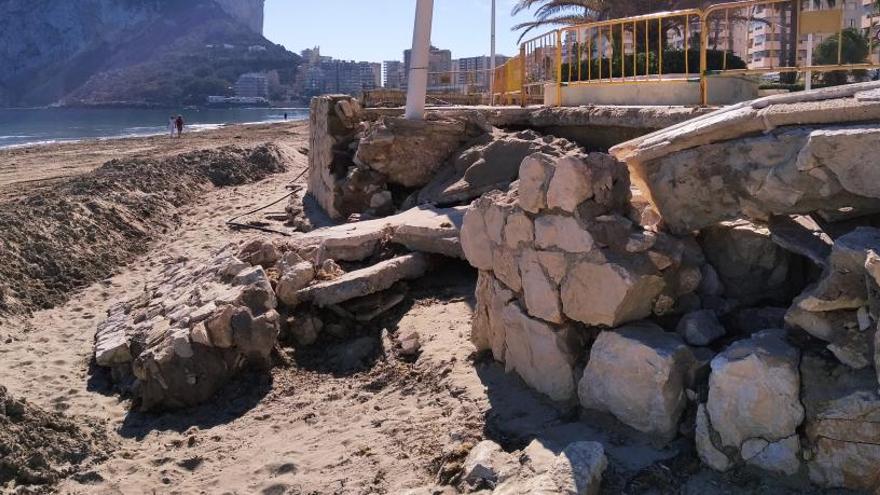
(76, 232)
(39, 448)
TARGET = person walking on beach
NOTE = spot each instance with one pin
(172, 124)
(179, 124)
(285, 115)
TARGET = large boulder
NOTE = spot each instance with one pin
(716, 167)
(639, 374)
(753, 408)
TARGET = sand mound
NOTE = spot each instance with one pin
(81, 231)
(38, 448)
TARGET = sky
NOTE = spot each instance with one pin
(378, 30)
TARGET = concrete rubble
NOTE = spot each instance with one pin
(179, 342)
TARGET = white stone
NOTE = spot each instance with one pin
(534, 176)
(571, 184)
(754, 390)
(608, 293)
(706, 449)
(541, 296)
(555, 264)
(487, 462)
(779, 457)
(539, 353)
(507, 269)
(638, 373)
(494, 217)
(561, 232)
(519, 230)
(294, 279)
(475, 240)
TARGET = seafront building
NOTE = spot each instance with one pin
(321, 74)
(252, 85)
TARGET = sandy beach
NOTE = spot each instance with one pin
(380, 430)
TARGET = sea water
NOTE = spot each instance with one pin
(20, 127)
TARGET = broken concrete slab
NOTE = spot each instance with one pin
(366, 281)
(424, 228)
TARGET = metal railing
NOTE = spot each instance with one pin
(738, 38)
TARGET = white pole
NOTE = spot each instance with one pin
(417, 87)
(492, 60)
(808, 82)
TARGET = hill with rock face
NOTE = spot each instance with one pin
(144, 52)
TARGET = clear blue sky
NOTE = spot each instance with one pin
(378, 30)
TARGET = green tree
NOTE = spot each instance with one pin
(854, 50)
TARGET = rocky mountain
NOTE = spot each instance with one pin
(144, 52)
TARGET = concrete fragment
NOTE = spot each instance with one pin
(365, 281)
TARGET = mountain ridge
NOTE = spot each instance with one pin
(141, 52)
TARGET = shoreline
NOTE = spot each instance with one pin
(194, 128)
(23, 169)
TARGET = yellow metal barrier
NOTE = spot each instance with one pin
(763, 36)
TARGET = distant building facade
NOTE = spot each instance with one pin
(440, 74)
(324, 75)
(252, 85)
(395, 75)
(472, 74)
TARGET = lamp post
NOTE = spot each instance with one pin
(417, 87)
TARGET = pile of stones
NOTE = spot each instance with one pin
(730, 298)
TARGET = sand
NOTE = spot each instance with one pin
(387, 427)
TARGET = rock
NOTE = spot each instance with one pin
(409, 152)
(754, 390)
(716, 167)
(260, 252)
(779, 457)
(709, 454)
(475, 240)
(489, 164)
(751, 266)
(488, 465)
(293, 279)
(562, 232)
(410, 344)
(610, 293)
(534, 177)
(506, 267)
(700, 328)
(638, 373)
(747, 321)
(518, 231)
(842, 426)
(329, 159)
(359, 283)
(540, 293)
(542, 355)
(488, 331)
(571, 184)
(802, 235)
(305, 328)
(576, 470)
(111, 341)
